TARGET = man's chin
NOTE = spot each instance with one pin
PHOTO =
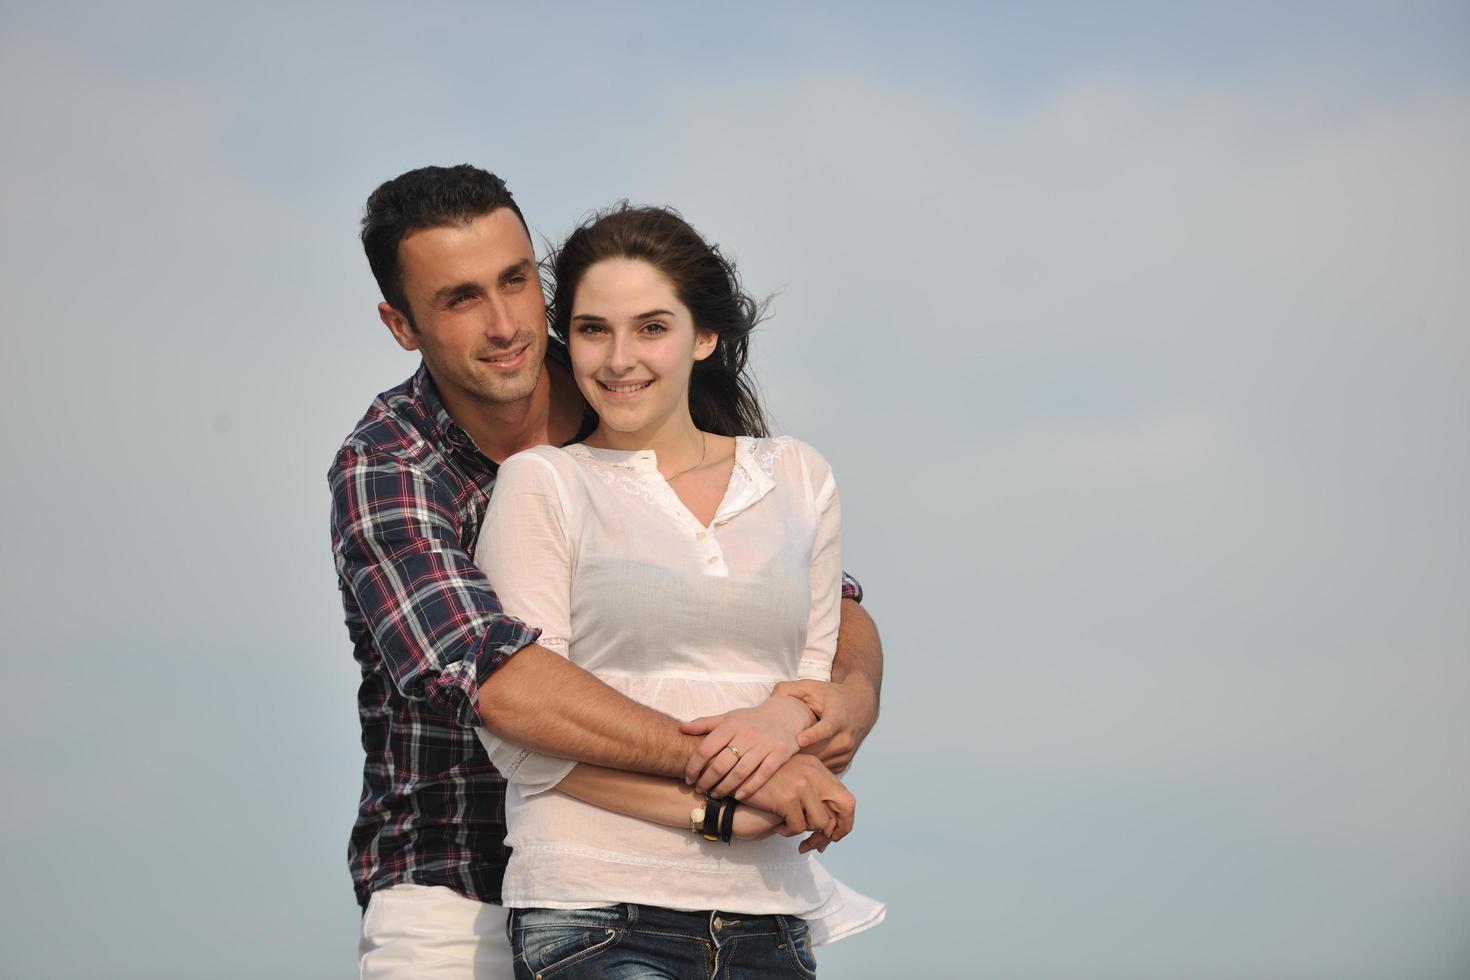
(508, 390)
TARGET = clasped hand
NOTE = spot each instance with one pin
(766, 738)
(743, 748)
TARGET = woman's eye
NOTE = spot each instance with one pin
(587, 328)
(654, 328)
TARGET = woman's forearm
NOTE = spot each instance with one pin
(656, 799)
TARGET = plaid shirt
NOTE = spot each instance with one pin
(409, 490)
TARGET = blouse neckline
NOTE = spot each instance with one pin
(751, 478)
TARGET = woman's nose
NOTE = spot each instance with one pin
(620, 354)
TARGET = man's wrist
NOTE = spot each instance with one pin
(863, 697)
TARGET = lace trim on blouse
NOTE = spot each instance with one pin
(636, 473)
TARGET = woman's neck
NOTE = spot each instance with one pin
(677, 442)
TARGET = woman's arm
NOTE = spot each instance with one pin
(656, 799)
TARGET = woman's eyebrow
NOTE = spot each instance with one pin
(649, 315)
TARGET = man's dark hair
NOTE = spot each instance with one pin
(429, 197)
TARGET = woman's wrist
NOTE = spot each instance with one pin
(753, 824)
(800, 710)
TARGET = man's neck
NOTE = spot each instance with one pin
(551, 415)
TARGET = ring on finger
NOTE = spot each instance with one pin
(734, 749)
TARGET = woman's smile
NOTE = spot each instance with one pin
(623, 389)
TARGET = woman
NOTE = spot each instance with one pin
(691, 563)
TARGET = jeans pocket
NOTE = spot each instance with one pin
(551, 941)
(798, 942)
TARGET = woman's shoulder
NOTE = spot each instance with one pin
(537, 466)
(781, 457)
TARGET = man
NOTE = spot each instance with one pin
(453, 257)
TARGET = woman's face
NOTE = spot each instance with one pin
(633, 346)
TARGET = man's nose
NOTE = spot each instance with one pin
(500, 324)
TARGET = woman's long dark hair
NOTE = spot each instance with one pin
(722, 395)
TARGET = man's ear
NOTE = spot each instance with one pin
(399, 327)
(704, 344)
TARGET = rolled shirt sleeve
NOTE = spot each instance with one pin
(432, 615)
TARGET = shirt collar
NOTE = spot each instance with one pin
(427, 395)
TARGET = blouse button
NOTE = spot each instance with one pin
(701, 535)
(712, 560)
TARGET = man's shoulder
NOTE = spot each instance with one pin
(395, 426)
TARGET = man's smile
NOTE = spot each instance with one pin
(508, 361)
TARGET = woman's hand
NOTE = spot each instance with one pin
(743, 748)
(809, 799)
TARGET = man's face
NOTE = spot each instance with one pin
(479, 317)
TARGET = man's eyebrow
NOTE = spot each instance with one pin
(523, 267)
(456, 289)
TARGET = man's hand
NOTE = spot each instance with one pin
(744, 747)
(846, 712)
(807, 797)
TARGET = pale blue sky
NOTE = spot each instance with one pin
(1137, 334)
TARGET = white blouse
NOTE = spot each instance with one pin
(594, 547)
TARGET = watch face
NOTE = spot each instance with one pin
(696, 816)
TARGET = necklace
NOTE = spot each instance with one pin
(703, 445)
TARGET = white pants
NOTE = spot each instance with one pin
(433, 932)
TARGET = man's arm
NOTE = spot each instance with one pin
(443, 636)
(846, 708)
(433, 621)
(542, 701)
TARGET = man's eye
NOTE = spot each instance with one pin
(517, 280)
(460, 300)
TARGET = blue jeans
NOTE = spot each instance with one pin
(624, 942)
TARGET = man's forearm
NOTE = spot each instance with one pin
(859, 658)
(847, 708)
(541, 701)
